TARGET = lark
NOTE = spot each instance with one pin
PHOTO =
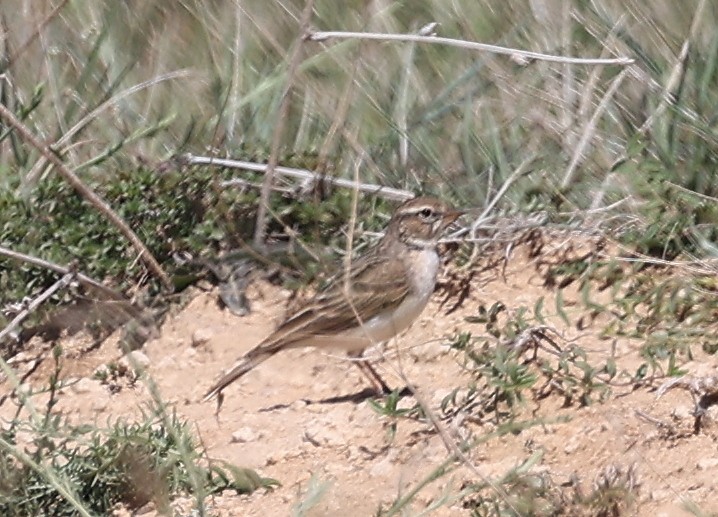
(381, 294)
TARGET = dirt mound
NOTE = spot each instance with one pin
(299, 417)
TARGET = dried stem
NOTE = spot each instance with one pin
(471, 45)
(520, 171)
(37, 169)
(590, 128)
(88, 194)
(260, 229)
(84, 279)
(53, 14)
(35, 303)
(63, 486)
(303, 174)
(454, 450)
(678, 73)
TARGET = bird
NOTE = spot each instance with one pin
(378, 296)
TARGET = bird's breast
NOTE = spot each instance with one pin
(422, 267)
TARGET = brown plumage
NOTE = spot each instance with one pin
(387, 289)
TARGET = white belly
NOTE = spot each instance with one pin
(424, 266)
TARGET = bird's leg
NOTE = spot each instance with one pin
(377, 383)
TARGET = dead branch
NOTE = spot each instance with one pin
(144, 254)
(301, 174)
(83, 279)
(34, 304)
(520, 56)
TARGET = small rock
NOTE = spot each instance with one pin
(433, 350)
(298, 405)
(318, 387)
(661, 495)
(146, 509)
(86, 385)
(382, 468)
(120, 511)
(682, 413)
(244, 435)
(18, 358)
(283, 456)
(271, 459)
(135, 360)
(24, 389)
(316, 408)
(101, 372)
(707, 463)
(385, 467)
(100, 404)
(71, 380)
(168, 362)
(439, 396)
(201, 336)
(321, 434)
(355, 454)
(571, 446)
(435, 452)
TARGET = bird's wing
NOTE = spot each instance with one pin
(378, 284)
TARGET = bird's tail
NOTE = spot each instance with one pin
(242, 366)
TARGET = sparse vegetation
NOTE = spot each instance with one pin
(617, 160)
(51, 466)
(611, 493)
(129, 463)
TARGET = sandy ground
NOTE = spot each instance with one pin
(296, 417)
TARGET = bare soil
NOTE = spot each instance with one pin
(299, 418)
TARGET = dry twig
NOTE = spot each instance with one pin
(144, 254)
(84, 279)
(703, 390)
(35, 303)
(470, 45)
(302, 174)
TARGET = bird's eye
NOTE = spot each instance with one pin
(426, 213)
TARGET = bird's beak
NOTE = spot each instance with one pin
(452, 215)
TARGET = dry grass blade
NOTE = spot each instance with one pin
(678, 73)
(58, 146)
(260, 229)
(469, 45)
(589, 129)
(64, 488)
(35, 303)
(393, 194)
(36, 33)
(84, 279)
